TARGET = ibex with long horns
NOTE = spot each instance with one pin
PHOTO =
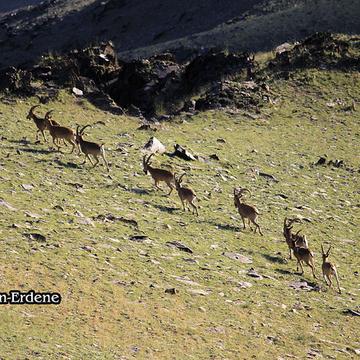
(158, 174)
(58, 132)
(186, 195)
(90, 148)
(291, 238)
(40, 122)
(329, 269)
(246, 211)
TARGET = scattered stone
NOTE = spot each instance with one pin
(179, 246)
(171, 291)
(145, 127)
(58, 207)
(35, 237)
(186, 280)
(198, 292)
(239, 257)
(87, 248)
(154, 146)
(32, 215)
(138, 238)
(27, 187)
(254, 274)
(301, 285)
(191, 261)
(112, 218)
(335, 163)
(283, 196)
(77, 91)
(214, 157)
(182, 153)
(7, 205)
(85, 221)
(351, 312)
(244, 284)
(268, 176)
(321, 161)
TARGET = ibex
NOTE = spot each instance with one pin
(40, 123)
(59, 132)
(158, 174)
(90, 148)
(185, 194)
(329, 269)
(291, 238)
(246, 211)
(303, 255)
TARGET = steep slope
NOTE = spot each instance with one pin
(142, 28)
(13, 5)
(113, 284)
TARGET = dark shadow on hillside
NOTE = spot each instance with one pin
(134, 190)
(22, 142)
(167, 209)
(69, 164)
(284, 272)
(105, 103)
(129, 24)
(227, 227)
(274, 259)
(36, 151)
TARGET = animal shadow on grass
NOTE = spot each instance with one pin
(167, 209)
(36, 151)
(227, 227)
(284, 272)
(134, 190)
(69, 164)
(274, 259)
(139, 191)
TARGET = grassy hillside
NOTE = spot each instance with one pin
(114, 302)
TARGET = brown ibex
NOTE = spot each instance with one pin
(158, 174)
(90, 148)
(185, 194)
(291, 238)
(40, 122)
(246, 211)
(303, 254)
(60, 132)
(329, 269)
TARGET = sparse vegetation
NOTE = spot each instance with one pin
(104, 235)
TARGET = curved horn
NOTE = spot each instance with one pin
(31, 111)
(328, 252)
(322, 249)
(244, 189)
(82, 130)
(34, 107)
(298, 232)
(148, 159)
(181, 177)
(47, 115)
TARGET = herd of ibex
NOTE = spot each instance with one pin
(297, 243)
(68, 135)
